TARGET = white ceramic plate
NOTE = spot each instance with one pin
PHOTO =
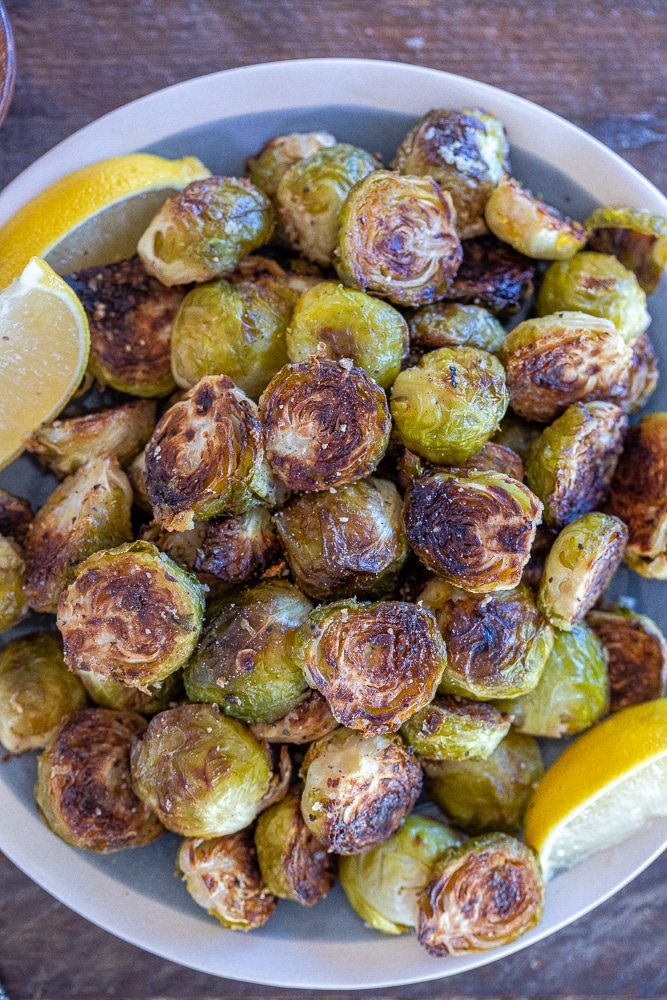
(222, 118)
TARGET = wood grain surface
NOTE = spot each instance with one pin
(601, 64)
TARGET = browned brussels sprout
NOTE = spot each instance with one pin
(555, 361)
(396, 239)
(497, 644)
(65, 445)
(326, 423)
(530, 225)
(243, 662)
(131, 614)
(450, 324)
(201, 772)
(358, 789)
(89, 511)
(238, 550)
(130, 315)
(456, 728)
(12, 600)
(637, 653)
(582, 561)
(491, 794)
(642, 377)
(376, 664)
(636, 237)
(447, 407)
(107, 692)
(475, 529)
(492, 275)
(350, 324)
(222, 875)
(293, 863)
(571, 464)
(36, 691)
(15, 517)
(203, 231)
(278, 155)
(347, 543)
(310, 720)
(83, 788)
(206, 456)
(484, 894)
(491, 457)
(517, 434)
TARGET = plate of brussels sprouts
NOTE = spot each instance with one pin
(325, 539)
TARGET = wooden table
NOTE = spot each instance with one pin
(601, 64)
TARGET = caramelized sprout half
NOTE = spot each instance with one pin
(637, 653)
(636, 237)
(530, 225)
(455, 728)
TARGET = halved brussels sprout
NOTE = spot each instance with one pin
(490, 794)
(326, 423)
(310, 195)
(637, 653)
(570, 357)
(310, 720)
(36, 691)
(456, 728)
(15, 516)
(450, 324)
(201, 772)
(206, 456)
(447, 407)
(638, 238)
(517, 434)
(595, 283)
(484, 894)
(582, 561)
(243, 662)
(131, 614)
(497, 644)
(203, 231)
(83, 788)
(642, 377)
(278, 155)
(396, 238)
(12, 600)
(89, 511)
(530, 225)
(491, 457)
(107, 692)
(475, 529)
(384, 883)
(376, 664)
(571, 694)
(222, 875)
(492, 275)
(293, 863)
(347, 543)
(571, 464)
(358, 789)
(350, 324)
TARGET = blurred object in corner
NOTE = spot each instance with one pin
(7, 62)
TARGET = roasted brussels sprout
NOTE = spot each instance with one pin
(358, 789)
(131, 614)
(484, 894)
(89, 511)
(83, 788)
(12, 600)
(567, 358)
(350, 324)
(376, 664)
(206, 456)
(530, 225)
(65, 445)
(130, 315)
(492, 275)
(595, 283)
(278, 155)
(293, 863)
(450, 324)
(475, 529)
(243, 662)
(642, 377)
(383, 883)
(582, 561)
(636, 237)
(497, 644)
(571, 464)
(201, 772)
(222, 875)
(238, 550)
(447, 407)
(36, 691)
(491, 457)
(326, 423)
(396, 239)
(107, 692)
(310, 195)
(310, 720)
(453, 727)
(572, 692)
(466, 152)
(15, 517)
(637, 653)
(491, 794)
(517, 434)
(347, 543)
(203, 231)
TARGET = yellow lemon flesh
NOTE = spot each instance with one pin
(44, 342)
(94, 215)
(602, 789)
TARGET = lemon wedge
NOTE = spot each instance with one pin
(44, 343)
(602, 789)
(94, 215)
